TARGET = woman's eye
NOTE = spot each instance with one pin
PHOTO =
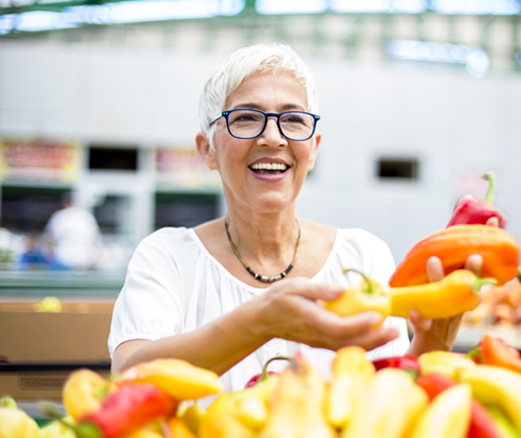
(245, 117)
(294, 118)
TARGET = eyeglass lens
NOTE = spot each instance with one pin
(294, 125)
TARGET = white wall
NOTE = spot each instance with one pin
(457, 126)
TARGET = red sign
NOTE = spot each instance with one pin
(40, 159)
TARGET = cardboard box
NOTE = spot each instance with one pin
(39, 349)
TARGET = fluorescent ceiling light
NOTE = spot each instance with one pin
(474, 58)
(37, 21)
(291, 6)
(379, 6)
(118, 13)
(476, 7)
(7, 23)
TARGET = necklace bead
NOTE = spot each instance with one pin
(260, 277)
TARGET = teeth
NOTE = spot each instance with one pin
(269, 166)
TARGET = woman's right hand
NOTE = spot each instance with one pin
(289, 310)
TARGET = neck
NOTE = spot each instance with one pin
(270, 237)
(258, 275)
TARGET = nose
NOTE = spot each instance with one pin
(272, 133)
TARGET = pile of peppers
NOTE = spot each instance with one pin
(131, 403)
(439, 394)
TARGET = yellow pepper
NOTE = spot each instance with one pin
(456, 293)
(14, 422)
(192, 416)
(368, 295)
(448, 415)
(56, 429)
(351, 373)
(297, 404)
(496, 386)
(178, 428)
(238, 414)
(388, 408)
(447, 363)
(148, 432)
(83, 393)
(221, 420)
(503, 423)
(181, 379)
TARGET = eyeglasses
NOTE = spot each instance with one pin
(249, 123)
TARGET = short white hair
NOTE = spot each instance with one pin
(245, 62)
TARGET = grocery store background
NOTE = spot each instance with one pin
(418, 99)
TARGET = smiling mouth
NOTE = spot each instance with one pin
(269, 168)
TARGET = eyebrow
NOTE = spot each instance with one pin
(286, 107)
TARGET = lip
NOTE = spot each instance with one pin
(269, 160)
(269, 178)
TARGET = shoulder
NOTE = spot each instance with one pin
(361, 238)
(167, 241)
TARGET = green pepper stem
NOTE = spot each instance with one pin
(370, 287)
(477, 283)
(490, 177)
(83, 430)
(265, 375)
(475, 354)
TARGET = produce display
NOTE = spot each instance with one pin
(439, 394)
(498, 306)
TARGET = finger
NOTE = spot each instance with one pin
(435, 270)
(492, 222)
(373, 338)
(474, 263)
(418, 322)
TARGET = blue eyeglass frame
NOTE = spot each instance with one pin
(225, 114)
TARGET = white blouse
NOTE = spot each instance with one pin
(174, 285)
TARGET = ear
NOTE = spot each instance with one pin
(314, 151)
(205, 151)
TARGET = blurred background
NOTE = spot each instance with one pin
(418, 99)
(98, 99)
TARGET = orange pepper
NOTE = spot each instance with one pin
(453, 245)
(496, 351)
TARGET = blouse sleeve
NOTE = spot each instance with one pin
(150, 303)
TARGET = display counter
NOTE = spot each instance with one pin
(60, 283)
(52, 322)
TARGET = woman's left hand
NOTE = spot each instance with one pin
(440, 334)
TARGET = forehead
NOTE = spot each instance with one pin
(268, 90)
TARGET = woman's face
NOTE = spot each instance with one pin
(242, 163)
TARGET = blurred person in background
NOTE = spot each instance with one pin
(73, 235)
(231, 293)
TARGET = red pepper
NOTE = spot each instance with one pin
(402, 362)
(469, 210)
(497, 352)
(128, 409)
(481, 423)
(265, 373)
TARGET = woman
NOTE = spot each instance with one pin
(231, 293)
